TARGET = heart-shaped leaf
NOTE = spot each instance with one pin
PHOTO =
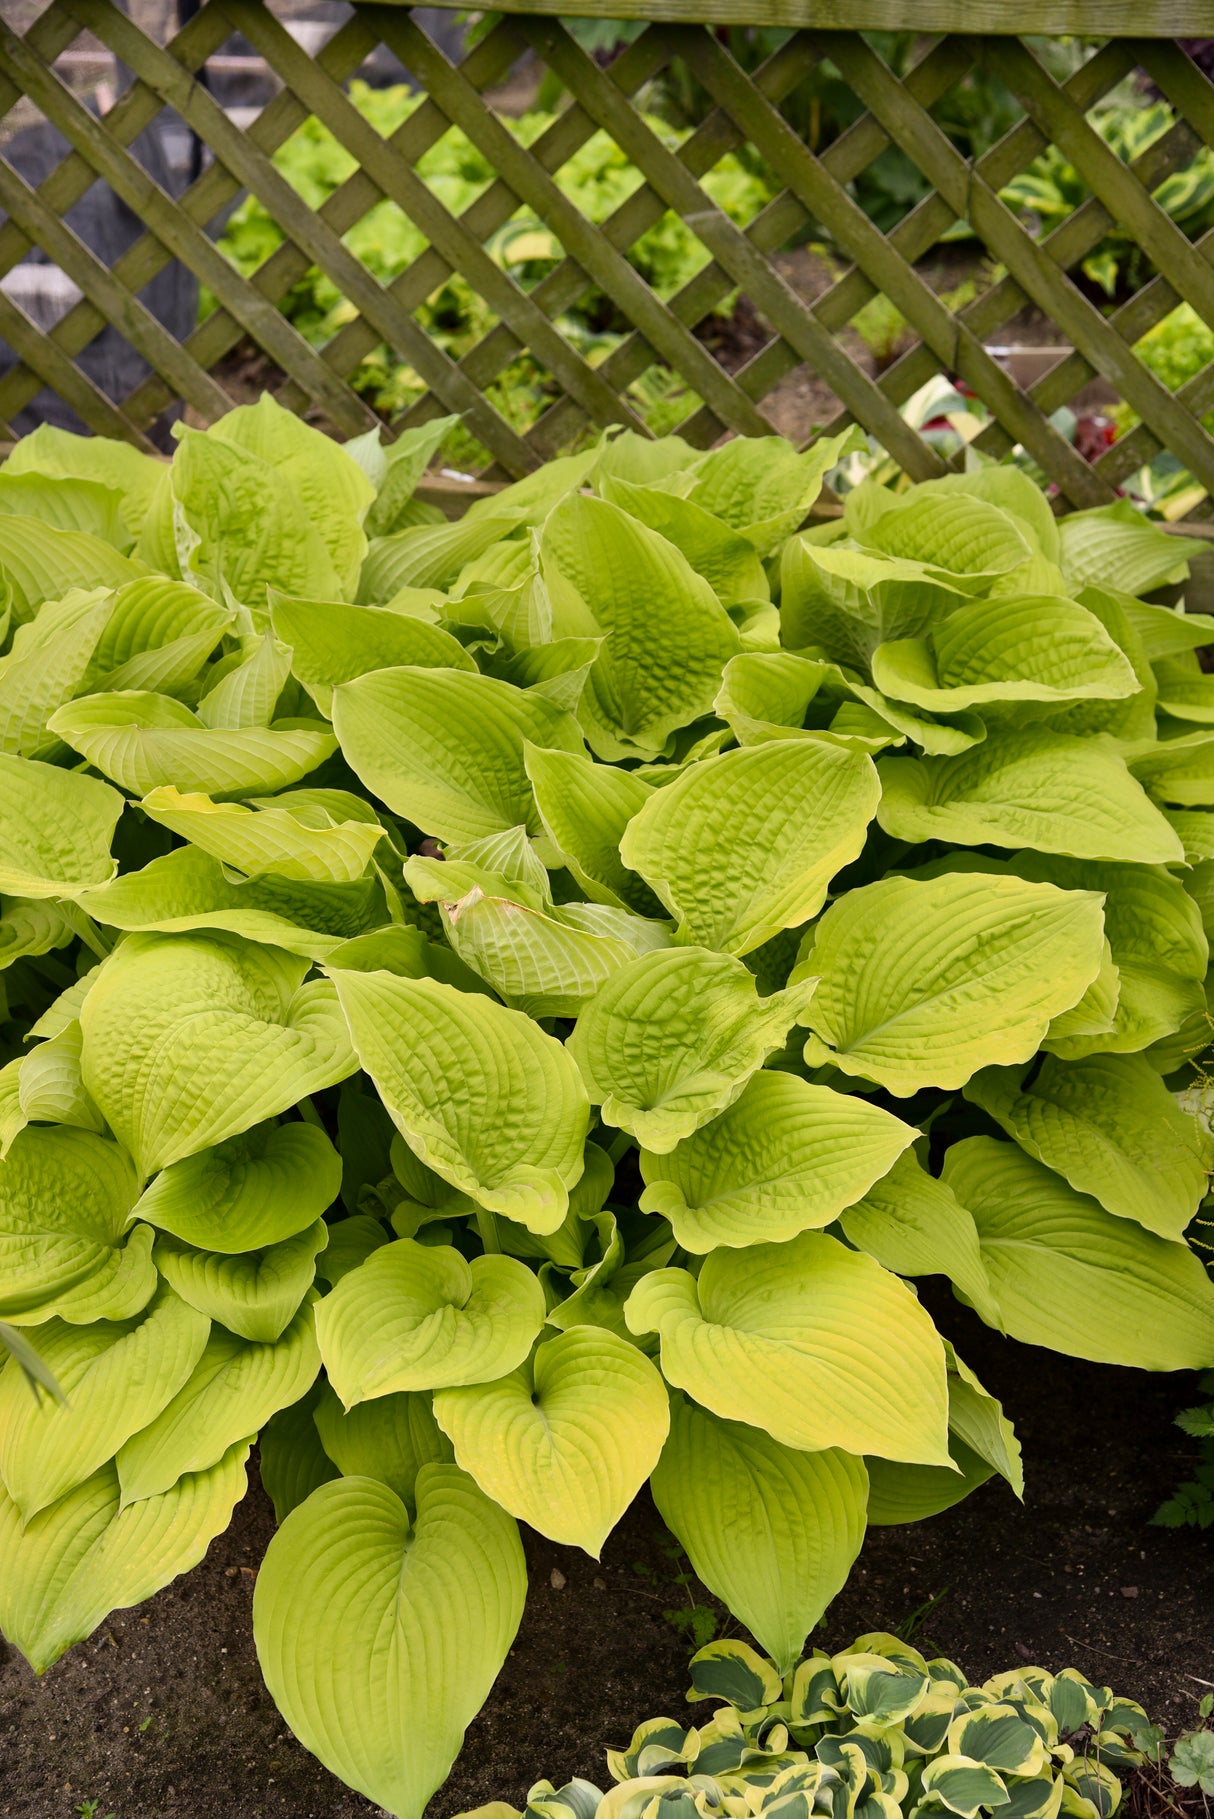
(771, 1531)
(566, 1441)
(255, 1294)
(248, 1193)
(189, 1039)
(770, 1334)
(331, 643)
(379, 1639)
(389, 1438)
(419, 1316)
(924, 980)
(673, 1038)
(783, 1157)
(780, 819)
(513, 1137)
(56, 830)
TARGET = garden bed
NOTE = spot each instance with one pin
(152, 1718)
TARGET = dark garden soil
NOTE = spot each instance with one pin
(162, 1715)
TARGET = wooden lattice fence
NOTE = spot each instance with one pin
(812, 191)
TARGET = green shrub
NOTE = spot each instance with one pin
(877, 1731)
(505, 1010)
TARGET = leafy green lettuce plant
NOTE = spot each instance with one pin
(506, 1010)
(876, 1730)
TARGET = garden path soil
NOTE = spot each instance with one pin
(162, 1715)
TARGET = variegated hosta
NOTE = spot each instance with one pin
(876, 1730)
(506, 1010)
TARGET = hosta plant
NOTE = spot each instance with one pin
(876, 1731)
(509, 1009)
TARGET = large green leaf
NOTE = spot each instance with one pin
(981, 1442)
(46, 666)
(811, 1341)
(51, 1089)
(65, 1205)
(304, 843)
(512, 1137)
(668, 636)
(189, 1039)
(925, 980)
(772, 1531)
(65, 1570)
(41, 563)
(328, 484)
(380, 1638)
(117, 465)
(762, 487)
(417, 1316)
(332, 643)
(915, 1226)
(255, 1294)
(424, 555)
(158, 635)
(145, 741)
(187, 889)
(779, 820)
(584, 808)
(1110, 1126)
(1115, 546)
(291, 1459)
(116, 1376)
(1027, 787)
(673, 1038)
(445, 748)
(567, 1440)
(727, 560)
(1177, 771)
(846, 601)
(248, 1193)
(1070, 1276)
(1003, 651)
(56, 830)
(784, 1157)
(232, 1391)
(389, 1438)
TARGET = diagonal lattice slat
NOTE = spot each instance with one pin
(813, 194)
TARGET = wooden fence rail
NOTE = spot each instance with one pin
(812, 192)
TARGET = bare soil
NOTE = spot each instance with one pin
(161, 1714)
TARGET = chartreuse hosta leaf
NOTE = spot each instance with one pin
(542, 958)
(380, 1636)
(246, 1194)
(783, 1157)
(303, 842)
(46, 666)
(145, 741)
(116, 1376)
(157, 636)
(65, 1570)
(331, 643)
(445, 748)
(65, 1207)
(56, 830)
(1028, 787)
(292, 1461)
(981, 1442)
(667, 634)
(915, 1226)
(770, 1334)
(1115, 546)
(1068, 1275)
(673, 1037)
(1110, 1126)
(255, 1294)
(1000, 651)
(513, 1137)
(925, 980)
(779, 820)
(187, 890)
(189, 1039)
(772, 1531)
(389, 1438)
(584, 808)
(51, 1090)
(417, 1316)
(846, 601)
(567, 1440)
(57, 453)
(40, 563)
(232, 1391)
(424, 556)
(761, 487)
(727, 560)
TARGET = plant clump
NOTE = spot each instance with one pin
(501, 1011)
